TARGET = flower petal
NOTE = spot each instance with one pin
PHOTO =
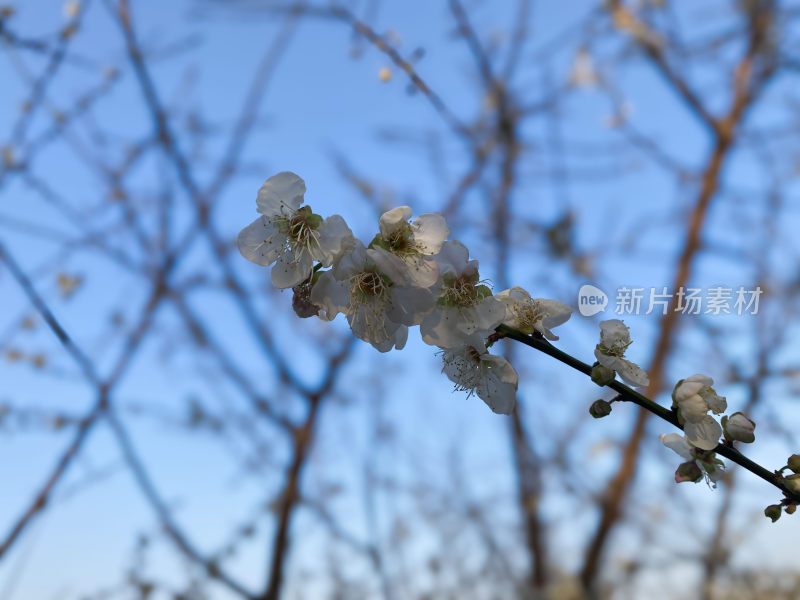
(335, 240)
(678, 444)
(498, 386)
(423, 271)
(557, 312)
(430, 231)
(438, 328)
(351, 262)
(394, 219)
(292, 269)
(452, 258)
(391, 266)
(614, 334)
(632, 374)
(693, 408)
(609, 362)
(281, 194)
(703, 434)
(398, 340)
(409, 305)
(260, 242)
(331, 295)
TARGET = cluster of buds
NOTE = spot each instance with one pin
(791, 483)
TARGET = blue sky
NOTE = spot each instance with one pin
(322, 103)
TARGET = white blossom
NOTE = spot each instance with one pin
(463, 305)
(414, 243)
(614, 340)
(373, 289)
(706, 460)
(291, 236)
(694, 397)
(473, 369)
(528, 314)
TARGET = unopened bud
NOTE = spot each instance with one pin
(301, 301)
(790, 508)
(773, 511)
(739, 428)
(794, 463)
(600, 409)
(602, 375)
(792, 483)
(688, 471)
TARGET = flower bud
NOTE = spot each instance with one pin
(301, 301)
(602, 375)
(739, 428)
(790, 508)
(600, 409)
(792, 483)
(794, 463)
(688, 471)
(773, 511)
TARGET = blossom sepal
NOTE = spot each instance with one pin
(688, 471)
(601, 375)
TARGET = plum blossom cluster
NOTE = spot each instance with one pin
(692, 399)
(409, 275)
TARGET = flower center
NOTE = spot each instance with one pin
(466, 367)
(614, 349)
(528, 316)
(369, 284)
(299, 230)
(461, 291)
(401, 242)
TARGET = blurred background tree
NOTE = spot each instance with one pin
(169, 429)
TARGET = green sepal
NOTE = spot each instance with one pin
(483, 291)
(314, 221)
(379, 242)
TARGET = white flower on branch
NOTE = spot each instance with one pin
(414, 243)
(694, 397)
(291, 236)
(614, 340)
(474, 370)
(707, 461)
(528, 314)
(463, 304)
(739, 428)
(373, 289)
